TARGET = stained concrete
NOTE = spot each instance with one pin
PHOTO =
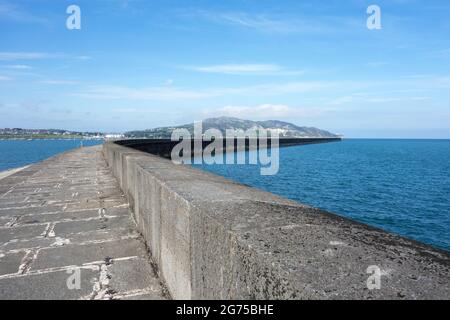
(141, 227)
(212, 238)
(68, 213)
(7, 173)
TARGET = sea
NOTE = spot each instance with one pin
(401, 186)
(19, 153)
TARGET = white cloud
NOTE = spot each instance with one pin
(264, 111)
(280, 24)
(19, 67)
(368, 98)
(12, 12)
(83, 57)
(246, 69)
(174, 93)
(257, 22)
(152, 93)
(10, 56)
(291, 87)
(59, 82)
(4, 78)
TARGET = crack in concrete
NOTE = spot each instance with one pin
(27, 261)
(49, 192)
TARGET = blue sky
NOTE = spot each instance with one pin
(141, 64)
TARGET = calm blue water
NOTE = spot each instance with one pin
(402, 186)
(19, 153)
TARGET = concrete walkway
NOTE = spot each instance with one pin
(66, 233)
(7, 173)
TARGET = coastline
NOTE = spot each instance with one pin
(259, 241)
(7, 173)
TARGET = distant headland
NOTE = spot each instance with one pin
(24, 134)
(284, 129)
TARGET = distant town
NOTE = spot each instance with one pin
(23, 134)
(283, 129)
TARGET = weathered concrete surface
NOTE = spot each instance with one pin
(213, 238)
(7, 173)
(65, 214)
(163, 147)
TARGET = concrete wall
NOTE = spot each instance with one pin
(163, 147)
(212, 238)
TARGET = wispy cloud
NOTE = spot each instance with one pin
(5, 78)
(259, 22)
(151, 93)
(174, 93)
(370, 98)
(279, 24)
(19, 67)
(12, 56)
(83, 57)
(264, 111)
(246, 69)
(9, 11)
(59, 82)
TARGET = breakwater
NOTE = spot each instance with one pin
(163, 147)
(214, 238)
(65, 233)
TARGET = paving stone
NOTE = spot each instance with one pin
(60, 216)
(21, 232)
(47, 286)
(22, 210)
(50, 221)
(127, 276)
(10, 262)
(4, 221)
(23, 244)
(80, 254)
(121, 232)
(63, 229)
